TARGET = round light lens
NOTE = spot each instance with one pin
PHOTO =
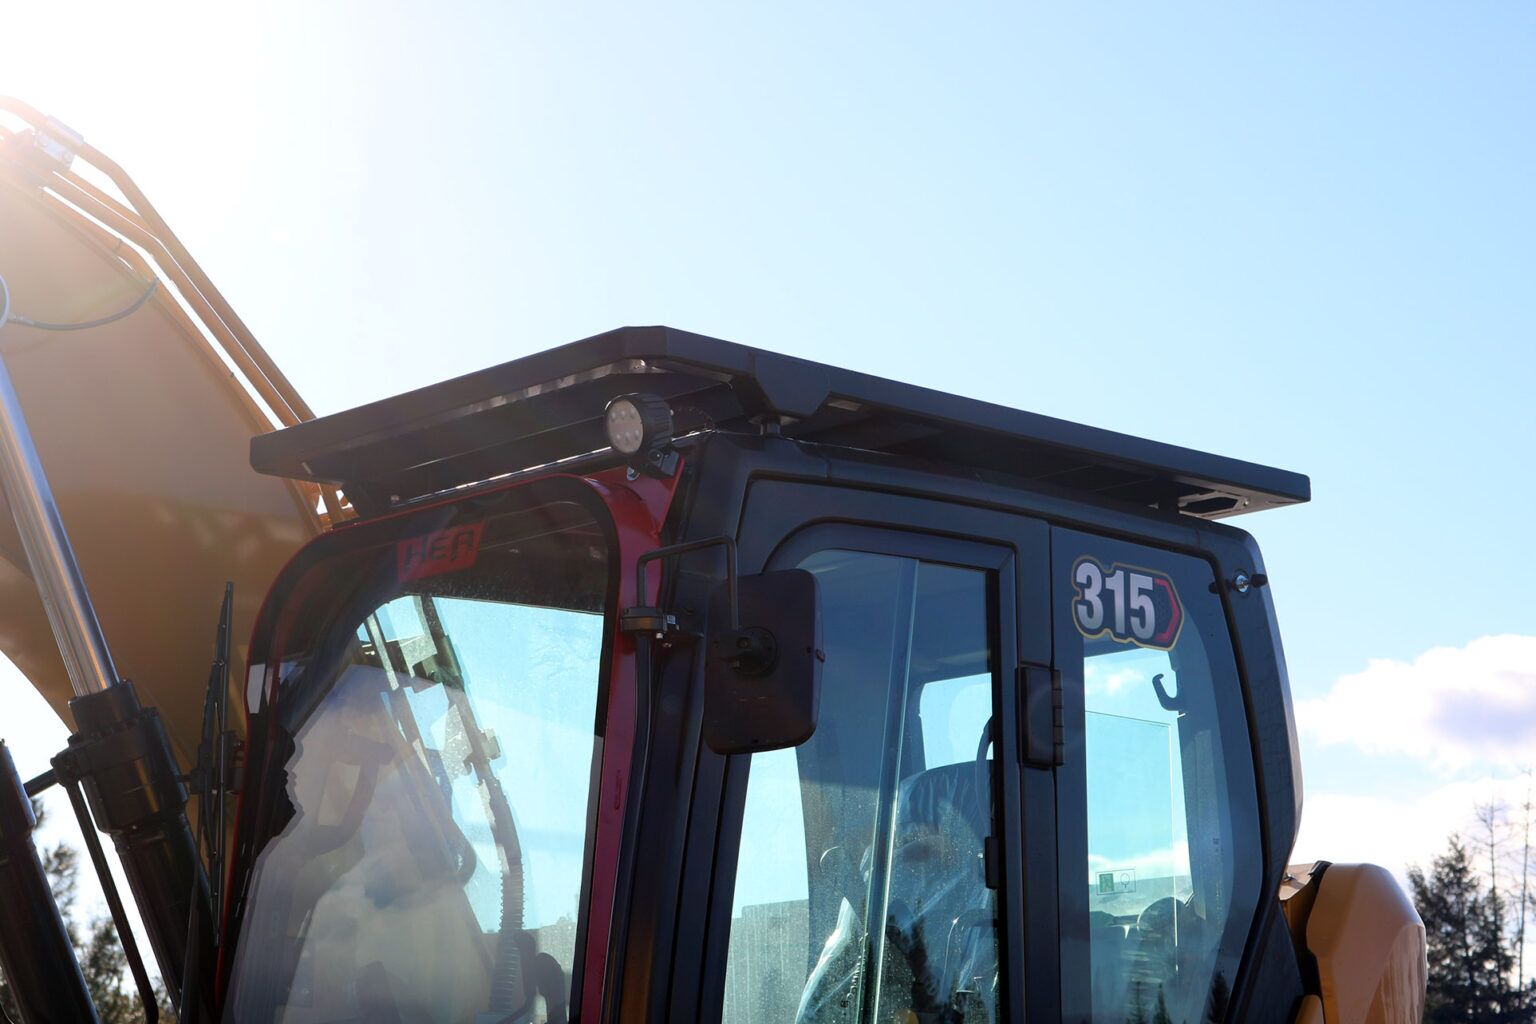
(638, 424)
(626, 430)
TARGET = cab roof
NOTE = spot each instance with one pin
(547, 407)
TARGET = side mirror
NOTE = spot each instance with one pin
(762, 674)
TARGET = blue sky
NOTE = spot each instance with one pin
(1298, 235)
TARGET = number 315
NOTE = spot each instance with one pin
(1129, 601)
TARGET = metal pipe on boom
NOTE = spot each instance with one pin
(55, 572)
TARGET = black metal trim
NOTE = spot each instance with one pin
(546, 407)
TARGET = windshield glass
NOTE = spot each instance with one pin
(430, 774)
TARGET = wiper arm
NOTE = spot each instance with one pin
(210, 778)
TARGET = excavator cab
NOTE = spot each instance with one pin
(648, 678)
(662, 678)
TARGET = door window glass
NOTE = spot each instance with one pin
(1171, 873)
(953, 713)
(879, 817)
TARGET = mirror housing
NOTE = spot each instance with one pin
(762, 670)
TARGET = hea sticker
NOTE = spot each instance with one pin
(1127, 603)
(447, 550)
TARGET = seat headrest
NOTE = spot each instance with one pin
(943, 799)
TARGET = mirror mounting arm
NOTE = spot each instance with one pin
(644, 618)
(762, 682)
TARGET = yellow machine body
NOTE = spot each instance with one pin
(1365, 939)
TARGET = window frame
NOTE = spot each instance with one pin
(253, 828)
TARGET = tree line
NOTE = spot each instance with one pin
(1476, 900)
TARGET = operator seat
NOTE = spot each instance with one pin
(939, 901)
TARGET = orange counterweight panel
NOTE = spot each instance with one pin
(144, 433)
(1366, 939)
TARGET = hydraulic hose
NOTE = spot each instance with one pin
(509, 992)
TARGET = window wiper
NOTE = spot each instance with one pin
(212, 776)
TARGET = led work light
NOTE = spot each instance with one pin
(638, 424)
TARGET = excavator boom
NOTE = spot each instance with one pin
(142, 390)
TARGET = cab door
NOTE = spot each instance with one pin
(1160, 859)
(902, 861)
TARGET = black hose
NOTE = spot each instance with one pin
(85, 325)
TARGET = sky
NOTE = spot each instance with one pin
(1302, 235)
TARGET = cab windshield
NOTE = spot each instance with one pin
(429, 755)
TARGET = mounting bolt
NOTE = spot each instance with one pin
(1241, 582)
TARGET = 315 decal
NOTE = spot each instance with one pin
(1127, 603)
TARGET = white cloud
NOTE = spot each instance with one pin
(1353, 828)
(1451, 707)
(1101, 683)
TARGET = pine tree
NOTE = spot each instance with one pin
(1450, 903)
(1471, 956)
(1161, 1016)
(105, 968)
(62, 865)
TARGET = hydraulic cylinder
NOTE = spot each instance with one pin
(121, 756)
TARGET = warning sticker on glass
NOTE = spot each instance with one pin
(450, 550)
(1127, 603)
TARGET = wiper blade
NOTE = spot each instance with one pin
(211, 779)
